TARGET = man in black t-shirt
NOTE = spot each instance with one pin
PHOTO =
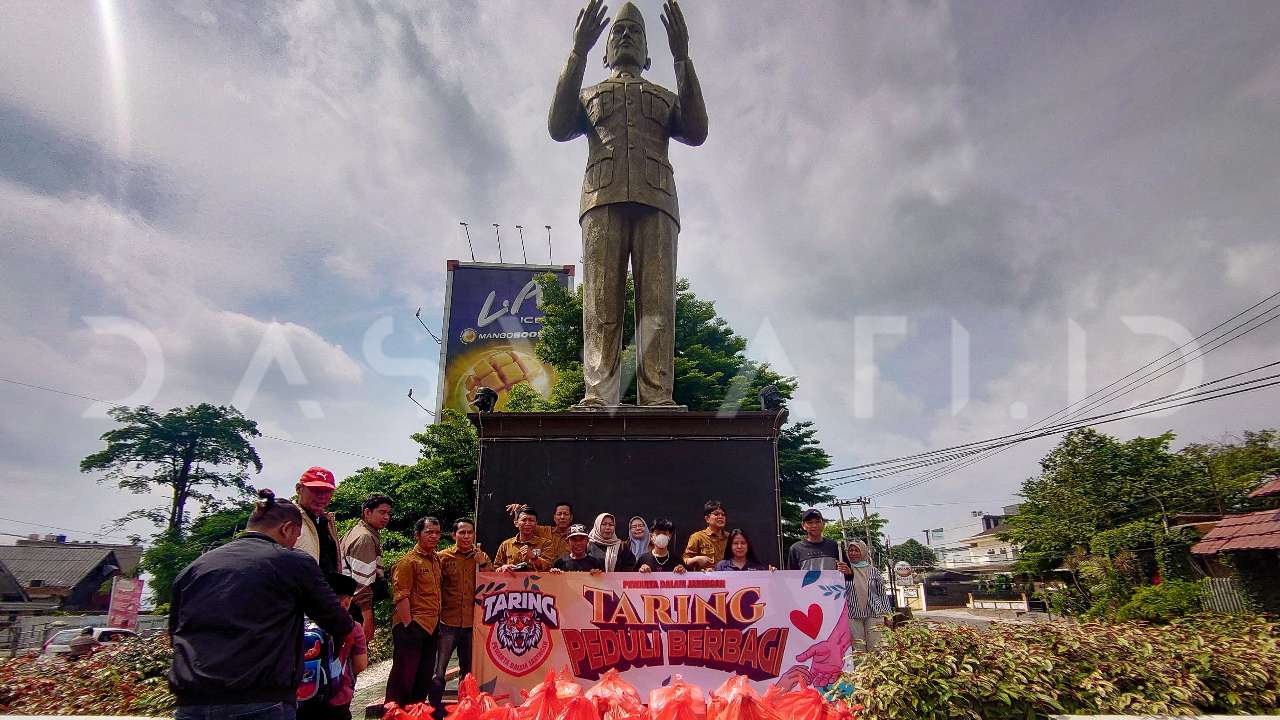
(815, 552)
(578, 559)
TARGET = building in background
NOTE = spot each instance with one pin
(77, 577)
(984, 552)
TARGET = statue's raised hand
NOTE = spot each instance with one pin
(677, 30)
(591, 22)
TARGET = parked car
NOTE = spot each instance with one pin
(59, 643)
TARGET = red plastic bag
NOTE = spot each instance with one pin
(501, 712)
(549, 697)
(803, 703)
(615, 697)
(472, 703)
(735, 686)
(745, 706)
(677, 700)
(579, 708)
(841, 710)
(416, 711)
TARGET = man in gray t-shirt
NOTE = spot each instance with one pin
(815, 552)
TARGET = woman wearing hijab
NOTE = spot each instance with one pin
(866, 600)
(639, 536)
(658, 557)
(605, 544)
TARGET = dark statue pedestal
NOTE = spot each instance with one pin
(652, 463)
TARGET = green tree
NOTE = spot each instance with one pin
(800, 459)
(1092, 482)
(168, 553)
(441, 483)
(914, 553)
(1229, 471)
(193, 452)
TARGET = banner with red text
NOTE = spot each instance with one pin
(126, 599)
(782, 626)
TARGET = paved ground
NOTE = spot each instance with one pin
(961, 616)
(371, 687)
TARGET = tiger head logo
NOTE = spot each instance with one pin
(519, 631)
(518, 621)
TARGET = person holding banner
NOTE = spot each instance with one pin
(615, 554)
(815, 552)
(866, 600)
(658, 558)
(639, 536)
(738, 554)
(527, 551)
(578, 559)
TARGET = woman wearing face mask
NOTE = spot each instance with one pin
(639, 535)
(605, 544)
(738, 554)
(659, 557)
(866, 601)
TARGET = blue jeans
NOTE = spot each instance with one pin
(237, 711)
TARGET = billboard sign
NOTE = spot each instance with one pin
(492, 319)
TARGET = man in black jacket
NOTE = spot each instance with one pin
(236, 621)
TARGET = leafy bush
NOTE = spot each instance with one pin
(1161, 603)
(122, 678)
(1194, 665)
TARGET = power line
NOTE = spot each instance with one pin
(1055, 431)
(1183, 361)
(965, 450)
(56, 527)
(984, 453)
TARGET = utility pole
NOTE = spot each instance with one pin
(866, 525)
(927, 540)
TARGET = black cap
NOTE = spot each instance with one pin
(811, 514)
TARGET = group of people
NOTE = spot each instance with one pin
(647, 547)
(565, 546)
(236, 616)
(237, 611)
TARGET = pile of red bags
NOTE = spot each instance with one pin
(560, 697)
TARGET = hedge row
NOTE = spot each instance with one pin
(124, 678)
(1198, 664)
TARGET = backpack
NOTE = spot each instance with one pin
(322, 669)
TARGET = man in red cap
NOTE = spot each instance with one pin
(319, 537)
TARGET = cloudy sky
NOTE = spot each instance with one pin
(186, 186)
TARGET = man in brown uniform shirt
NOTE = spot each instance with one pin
(415, 588)
(512, 555)
(458, 566)
(706, 547)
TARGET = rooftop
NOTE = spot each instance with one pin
(53, 566)
(1251, 531)
(1270, 488)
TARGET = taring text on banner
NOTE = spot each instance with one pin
(770, 626)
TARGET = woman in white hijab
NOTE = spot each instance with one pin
(615, 554)
(639, 535)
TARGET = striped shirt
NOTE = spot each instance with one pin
(877, 601)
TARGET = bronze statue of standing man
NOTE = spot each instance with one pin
(629, 209)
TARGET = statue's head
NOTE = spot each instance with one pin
(627, 44)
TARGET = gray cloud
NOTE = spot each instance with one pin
(1013, 166)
